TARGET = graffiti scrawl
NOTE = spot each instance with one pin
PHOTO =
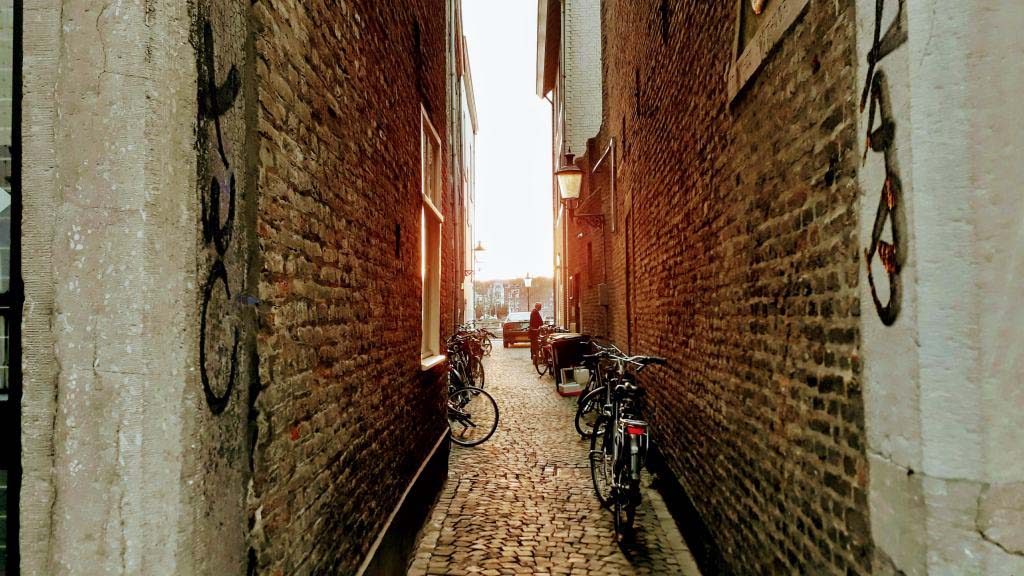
(881, 131)
(217, 220)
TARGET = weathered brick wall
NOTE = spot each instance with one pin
(745, 271)
(344, 418)
(589, 271)
(608, 241)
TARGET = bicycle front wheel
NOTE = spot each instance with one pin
(588, 411)
(472, 416)
(539, 365)
(601, 460)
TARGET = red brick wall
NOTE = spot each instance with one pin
(743, 219)
(588, 265)
(344, 416)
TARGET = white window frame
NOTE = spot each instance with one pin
(431, 221)
(778, 17)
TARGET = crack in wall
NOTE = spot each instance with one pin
(978, 506)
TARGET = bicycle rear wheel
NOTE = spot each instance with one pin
(472, 416)
(626, 497)
(601, 460)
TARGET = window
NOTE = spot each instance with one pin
(760, 25)
(430, 237)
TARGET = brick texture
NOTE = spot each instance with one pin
(345, 416)
(738, 223)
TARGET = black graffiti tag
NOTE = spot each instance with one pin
(881, 139)
(214, 102)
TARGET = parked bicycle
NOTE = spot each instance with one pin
(478, 338)
(596, 394)
(471, 411)
(472, 415)
(619, 443)
(543, 357)
(465, 357)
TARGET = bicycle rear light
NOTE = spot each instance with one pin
(636, 429)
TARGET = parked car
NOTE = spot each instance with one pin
(515, 328)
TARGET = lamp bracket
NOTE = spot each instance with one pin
(591, 220)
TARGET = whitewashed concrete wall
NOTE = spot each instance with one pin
(110, 230)
(944, 383)
(581, 69)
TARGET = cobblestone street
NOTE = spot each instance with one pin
(523, 503)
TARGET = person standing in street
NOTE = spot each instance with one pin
(535, 323)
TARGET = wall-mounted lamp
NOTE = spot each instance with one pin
(570, 178)
(479, 248)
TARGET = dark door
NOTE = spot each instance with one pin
(629, 282)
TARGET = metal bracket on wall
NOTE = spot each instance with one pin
(590, 220)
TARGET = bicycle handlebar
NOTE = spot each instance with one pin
(640, 361)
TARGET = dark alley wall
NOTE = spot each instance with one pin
(741, 220)
(345, 417)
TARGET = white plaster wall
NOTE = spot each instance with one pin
(581, 68)
(42, 29)
(109, 250)
(962, 413)
(890, 363)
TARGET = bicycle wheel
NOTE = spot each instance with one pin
(539, 365)
(626, 497)
(476, 371)
(588, 411)
(472, 416)
(601, 460)
(487, 346)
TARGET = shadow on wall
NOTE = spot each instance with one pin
(698, 538)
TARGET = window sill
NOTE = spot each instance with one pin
(430, 362)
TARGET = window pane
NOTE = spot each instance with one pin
(5, 222)
(425, 292)
(6, 118)
(4, 337)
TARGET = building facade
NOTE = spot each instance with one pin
(468, 125)
(243, 249)
(792, 201)
(569, 69)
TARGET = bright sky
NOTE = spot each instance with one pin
(513, 170)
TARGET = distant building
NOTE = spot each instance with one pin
(468, 130)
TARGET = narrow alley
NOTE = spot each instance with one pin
(523, 502)
(256, 254)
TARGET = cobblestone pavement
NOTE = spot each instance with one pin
(523, 503)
